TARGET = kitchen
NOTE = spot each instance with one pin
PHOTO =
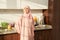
(10, 10)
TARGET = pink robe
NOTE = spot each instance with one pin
(25, 27)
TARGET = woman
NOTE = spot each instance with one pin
(46, 16)
(25, 25)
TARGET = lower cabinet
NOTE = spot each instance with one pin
(43, 35)
(1, 37)
(39, 35)
(8, 37)
(16, 37)
(12, 37)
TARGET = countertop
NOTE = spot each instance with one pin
(43, 27)
(49, 27)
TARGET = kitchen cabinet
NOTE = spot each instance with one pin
(35, 4)
(3, 4)
(1, 37)
(11, 4)
(19, 4)
(13, 36)
(16, 37)
(8, 37)
(8, 4)
(43, 35)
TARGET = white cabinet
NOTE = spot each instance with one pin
(19, 4)
(11, 4)
(8, 4)
(3, 4)
(35, 4)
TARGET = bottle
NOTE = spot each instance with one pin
(35, 20)
(9, 27)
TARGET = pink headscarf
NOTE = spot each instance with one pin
(25, 21)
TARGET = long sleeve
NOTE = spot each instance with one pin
(33, 27)
(18, 25)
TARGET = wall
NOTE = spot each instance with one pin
(12, 15)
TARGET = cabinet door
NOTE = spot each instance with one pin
(8, 4)
(8, 37)
(43, 35)
(3, 4)
(15, 37)
(11, 4)
(12, 37)
(18, 4)
(35, 4)
(1, 37)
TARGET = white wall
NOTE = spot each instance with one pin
(12, 15)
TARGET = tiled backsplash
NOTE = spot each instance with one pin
(12, 15)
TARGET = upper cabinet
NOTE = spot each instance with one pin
(12, 4)
(19, 4)
(3, 4)
(8, 4)
(35, 4)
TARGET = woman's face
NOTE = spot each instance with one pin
(46, 13)
(26, 10)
